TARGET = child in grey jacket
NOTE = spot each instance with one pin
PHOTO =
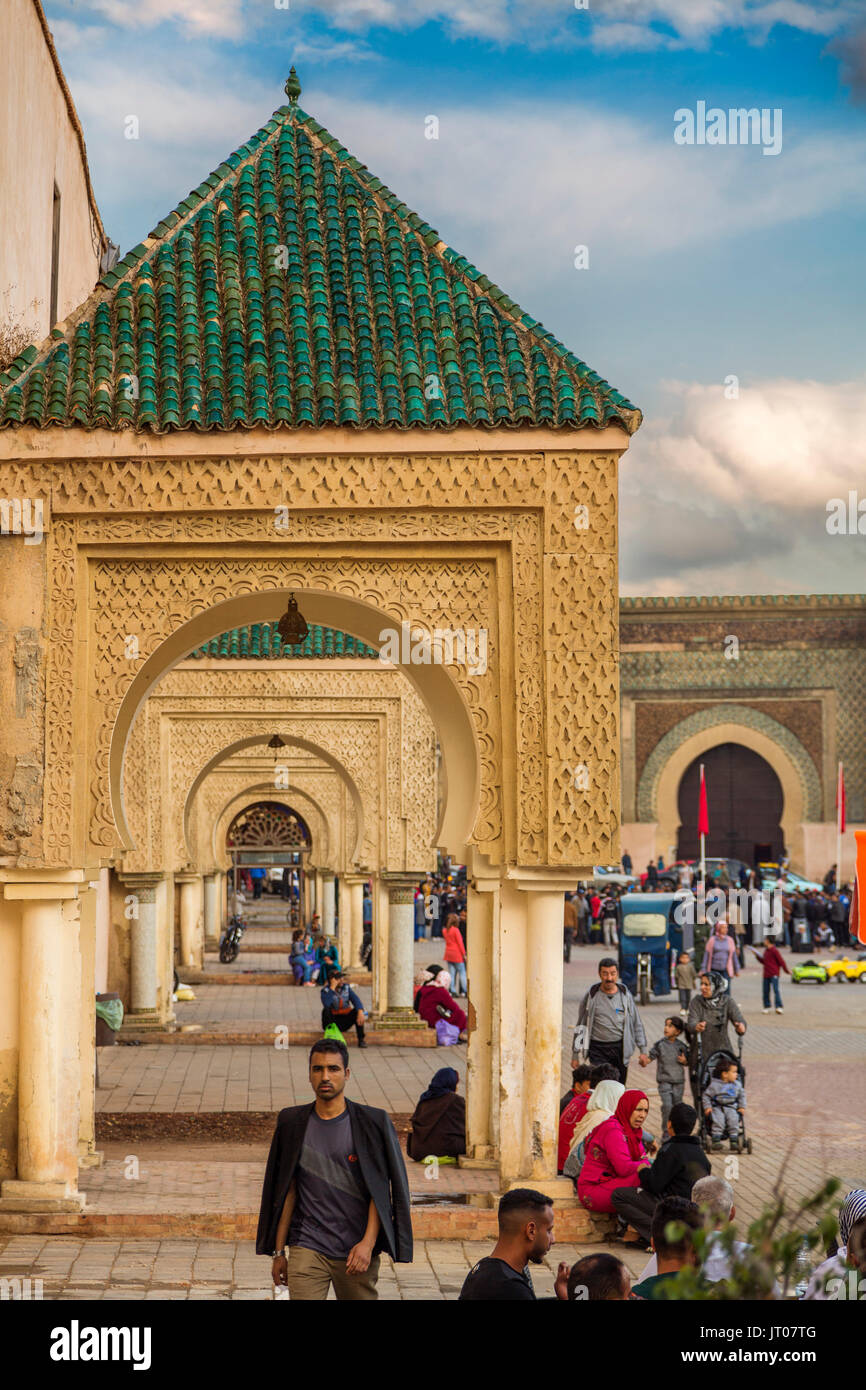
(672, 1059)
(724, 1101)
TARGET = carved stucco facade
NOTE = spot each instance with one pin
(369, 719)
(154, 546)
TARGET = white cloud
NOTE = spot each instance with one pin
(731, 495)
(223, 19)
(628, 25)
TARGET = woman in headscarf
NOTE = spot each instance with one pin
(438, 1125)
(838, 1266)
(615, 1154)
(711, 1014)
(601, 1106)
(433, 1001)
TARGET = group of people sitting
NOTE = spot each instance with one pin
(526, 1228)
(312, 957)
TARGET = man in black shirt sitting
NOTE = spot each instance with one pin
(525, 1236)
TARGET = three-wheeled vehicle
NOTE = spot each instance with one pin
(655, 928)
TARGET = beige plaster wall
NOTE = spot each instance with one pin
(39, 146)
(22, 692)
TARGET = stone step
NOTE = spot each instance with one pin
(448, 1221)
(259, 977)
(265, 1035)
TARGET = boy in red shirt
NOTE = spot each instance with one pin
(773, 962)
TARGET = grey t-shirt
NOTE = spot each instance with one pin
(332, 1202)
(608, 1024)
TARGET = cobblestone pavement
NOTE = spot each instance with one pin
(192, 1269)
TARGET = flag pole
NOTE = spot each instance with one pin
(840, 811)
(703, 847)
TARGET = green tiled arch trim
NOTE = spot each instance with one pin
(292, 289)
(261, 640)
(728, 714)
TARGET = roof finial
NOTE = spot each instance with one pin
(293, 87)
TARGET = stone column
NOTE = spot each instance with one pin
(530, 1033)
(355, 884)
(191, 930)
(380, 945)
(88, 1155)
(482, 1058)
(401, 950)
(317, 894)
(344, 940)
(328, 902)
(49, 1075)
(211, 912)
(220, 901)
(142, 1012)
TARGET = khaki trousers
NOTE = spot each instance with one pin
(311, 1276)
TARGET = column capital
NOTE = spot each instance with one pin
(545, 878)
(42, 885)
(188, 876)
(353, 879)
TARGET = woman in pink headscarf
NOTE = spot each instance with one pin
(615, 1154)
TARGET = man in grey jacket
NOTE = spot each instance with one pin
(612, 1024)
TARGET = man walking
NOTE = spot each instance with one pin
(569, 927)
(611, 1024)
(335, 1190)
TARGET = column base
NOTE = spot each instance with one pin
(397, 1018)
(484, 1157)
(141, 1021)
(560, 1189)
(89, 1156)
(21, 1196)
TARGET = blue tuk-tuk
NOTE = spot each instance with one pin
(655, 928)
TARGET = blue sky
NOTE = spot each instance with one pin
(556, 130)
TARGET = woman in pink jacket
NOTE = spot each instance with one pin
(614, 1153)
(455, 955)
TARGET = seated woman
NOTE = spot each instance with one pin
(600, 1106)
(433, 1001)
(615, 1154)
(438, 1125)
(327, 959)
(305, 967)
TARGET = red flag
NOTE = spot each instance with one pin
(703, 813)
(840, 813)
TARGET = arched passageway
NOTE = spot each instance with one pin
(745, 803)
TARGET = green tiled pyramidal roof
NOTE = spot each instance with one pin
(261, 640)
(293, 289)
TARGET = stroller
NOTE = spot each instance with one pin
(704, 1076)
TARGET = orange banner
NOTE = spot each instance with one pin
(858, 897)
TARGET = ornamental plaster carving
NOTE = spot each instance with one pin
(492, 538)
(221, 798)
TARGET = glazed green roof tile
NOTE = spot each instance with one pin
(262, 641)
(292, 288)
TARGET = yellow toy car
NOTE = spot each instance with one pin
(845, 969)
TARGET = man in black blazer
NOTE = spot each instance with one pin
(335, 1190)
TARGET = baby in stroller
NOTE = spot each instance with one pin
(724, 1101)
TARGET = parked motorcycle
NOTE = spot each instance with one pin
(230, 941)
